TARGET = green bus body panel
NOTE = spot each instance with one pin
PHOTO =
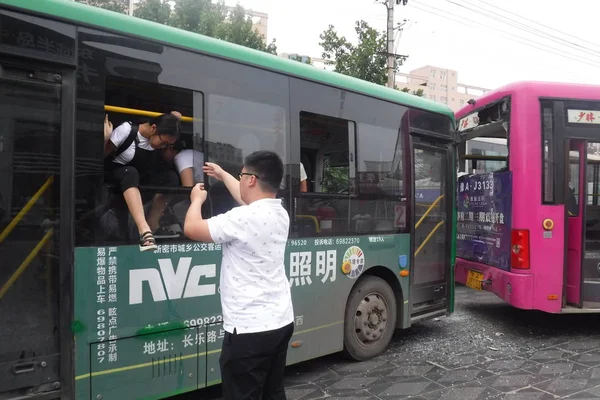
(132, 341)
(83, 14)
(136, 342)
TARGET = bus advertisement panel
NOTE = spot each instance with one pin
(484, 211)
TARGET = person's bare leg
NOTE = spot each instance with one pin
(159, 203)
(133, 198)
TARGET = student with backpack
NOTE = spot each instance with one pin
(131, 159)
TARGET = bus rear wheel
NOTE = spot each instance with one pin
(370, 319)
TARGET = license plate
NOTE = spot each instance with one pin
(474, 280)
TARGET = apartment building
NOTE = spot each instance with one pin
(439, 84)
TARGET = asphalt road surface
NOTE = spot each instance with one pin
(485, 350)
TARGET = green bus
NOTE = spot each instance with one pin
(85, 315)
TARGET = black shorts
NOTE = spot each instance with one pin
(127, 176)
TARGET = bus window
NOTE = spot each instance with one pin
(380, 179)
(237, 128)
(129, 104)
(485, 140)
(573, 195)
(327, 149)
(329, 144)
(485, 147)
(547, 133)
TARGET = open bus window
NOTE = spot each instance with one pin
(493, 155)
(327, 150)
(485, 136)
(353, 189)
(164, 200)
(328, 144)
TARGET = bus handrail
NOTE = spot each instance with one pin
(313, 218)
(134, 111)
(433, 231)
(26, 209)
(482, 157)
(25, 263)
(428, 211)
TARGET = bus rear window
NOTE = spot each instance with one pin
(484, 134)
(493, 153)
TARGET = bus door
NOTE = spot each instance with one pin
(574, 201)
(433, 208)
(588, 275)
(31, 285)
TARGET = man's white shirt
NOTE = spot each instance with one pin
(255, 291)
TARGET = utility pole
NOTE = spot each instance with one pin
(390, 42)
(130, 8)
(390, 52)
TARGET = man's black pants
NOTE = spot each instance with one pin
(252, 364)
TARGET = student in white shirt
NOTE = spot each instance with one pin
(188, 162)
(131, 159)
(258, 316)
(303, 179)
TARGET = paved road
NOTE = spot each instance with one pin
(485, 350)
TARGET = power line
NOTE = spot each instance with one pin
(525, 41)
(540, 24)
(519, 25)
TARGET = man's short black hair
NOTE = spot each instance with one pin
(268, 166)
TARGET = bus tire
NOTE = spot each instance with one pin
(370, 318)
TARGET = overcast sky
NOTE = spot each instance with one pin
(471, 39)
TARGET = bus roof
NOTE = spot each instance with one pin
(103, 19)
(557, 90)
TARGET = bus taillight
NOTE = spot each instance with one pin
(519, 255)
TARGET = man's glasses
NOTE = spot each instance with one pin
(249, 174)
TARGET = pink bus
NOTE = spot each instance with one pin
(528, 196)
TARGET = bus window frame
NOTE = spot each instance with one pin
(562, 130)
(552, 151)
(469, 134)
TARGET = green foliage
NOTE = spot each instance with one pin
(238, 29)
(335, 179)
(154, 10)
(198, 16)
(112, 5)
(364, 60)
(418, 92)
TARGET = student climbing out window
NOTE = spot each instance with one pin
(131, 160)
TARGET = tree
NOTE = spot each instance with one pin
(363, 60)
(112, 5)
(238, 29)
(199, 16)
(154, 10)
(418, 92)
